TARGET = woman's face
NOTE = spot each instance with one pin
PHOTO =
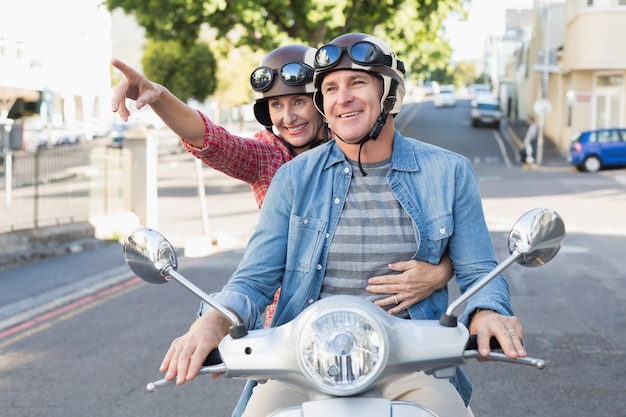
(296, 119)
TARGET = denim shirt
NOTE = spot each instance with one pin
(289, 248)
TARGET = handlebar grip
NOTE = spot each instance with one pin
(472, 343)
(214, 358)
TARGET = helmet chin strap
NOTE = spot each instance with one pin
(309, 145)
(374, 132)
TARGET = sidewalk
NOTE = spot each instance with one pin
(553, 158)
(34, 288)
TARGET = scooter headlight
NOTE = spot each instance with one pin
(342, 351)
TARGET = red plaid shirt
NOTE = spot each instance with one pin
(253, 160)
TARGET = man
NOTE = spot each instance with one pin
(283, 88)
(340, 212)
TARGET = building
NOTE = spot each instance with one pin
(501, 57)
(571, 73)
(590, 84)
(54, 65)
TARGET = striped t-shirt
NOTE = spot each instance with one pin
(373, 231)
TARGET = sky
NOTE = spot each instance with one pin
(486, 17)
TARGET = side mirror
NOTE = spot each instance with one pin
(153, 258)
(534, 240)
(537, 237)
(150, 255)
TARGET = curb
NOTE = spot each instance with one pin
(14, 314)
(31, 245)
(22, 311)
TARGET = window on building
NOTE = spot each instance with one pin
(614, 80)
(604, 3)
(608, 100)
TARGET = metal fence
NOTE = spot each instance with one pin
(61, 185)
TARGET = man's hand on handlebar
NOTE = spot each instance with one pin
(507, 330)
(187, 353)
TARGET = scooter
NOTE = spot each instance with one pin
(342, 349)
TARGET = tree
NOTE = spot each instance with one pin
(187, 71)
(233, 75)
(412, 27)
(465, 73)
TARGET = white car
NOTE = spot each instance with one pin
(35, 135)
(486, 111)
(446, 97)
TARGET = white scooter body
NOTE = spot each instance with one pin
(355, 406)
(343, 349)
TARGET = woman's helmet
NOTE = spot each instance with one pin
(284, 71)
(362, 52)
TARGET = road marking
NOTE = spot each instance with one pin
(88, 294)
(500, 143)
(409, 117)
(621, 179)
(66, 312)
(28, 308)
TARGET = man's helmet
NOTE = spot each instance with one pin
(284, 71)
(362, 52)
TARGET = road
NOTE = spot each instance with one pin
(94, 356)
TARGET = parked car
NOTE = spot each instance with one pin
(475, 90)
(486, 111)
(95, 129)
(35, 135)
(430, 88)
(595, 149)
(117, 134)
(446, 97)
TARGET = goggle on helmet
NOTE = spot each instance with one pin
(359, 51)
(284, 71)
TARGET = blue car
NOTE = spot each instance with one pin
(592, 150)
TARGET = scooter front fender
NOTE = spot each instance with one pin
(356, 406)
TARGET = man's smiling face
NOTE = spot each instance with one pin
(351, 103)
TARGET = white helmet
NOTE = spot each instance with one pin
(362, 52)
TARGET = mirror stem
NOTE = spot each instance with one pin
(237, 330)
(449, 319)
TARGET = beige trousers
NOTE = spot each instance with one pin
(438, 395)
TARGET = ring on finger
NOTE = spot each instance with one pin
(395, 298)
(512, 332)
